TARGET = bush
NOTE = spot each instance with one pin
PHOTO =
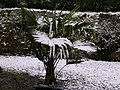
(11, 42)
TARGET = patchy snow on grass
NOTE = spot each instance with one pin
(88, 75)
(24, 64)
(85, 46)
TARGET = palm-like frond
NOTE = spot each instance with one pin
(30, 17)
(43, 38)
(58, 28)
(51, 37)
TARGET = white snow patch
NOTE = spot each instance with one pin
(94, 71)
(24, 64)
(66, 12)
(85, 46)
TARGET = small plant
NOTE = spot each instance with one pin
(51, 38)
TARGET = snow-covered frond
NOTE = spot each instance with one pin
(40, 20)
(61, 41)
(43, 38)
(50, 30)
(71, 23)
(85, 46)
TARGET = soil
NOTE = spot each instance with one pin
(17, 81)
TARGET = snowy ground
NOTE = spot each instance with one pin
(88, 75)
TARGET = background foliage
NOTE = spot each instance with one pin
(84, 5)
(11, 42)
(107, 40)
(106, 37)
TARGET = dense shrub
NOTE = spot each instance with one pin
(108, 41)
(11, 42)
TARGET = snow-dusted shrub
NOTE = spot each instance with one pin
(11, 42)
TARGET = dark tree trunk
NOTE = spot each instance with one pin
(50, 75)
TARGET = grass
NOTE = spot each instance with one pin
(17, 81)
